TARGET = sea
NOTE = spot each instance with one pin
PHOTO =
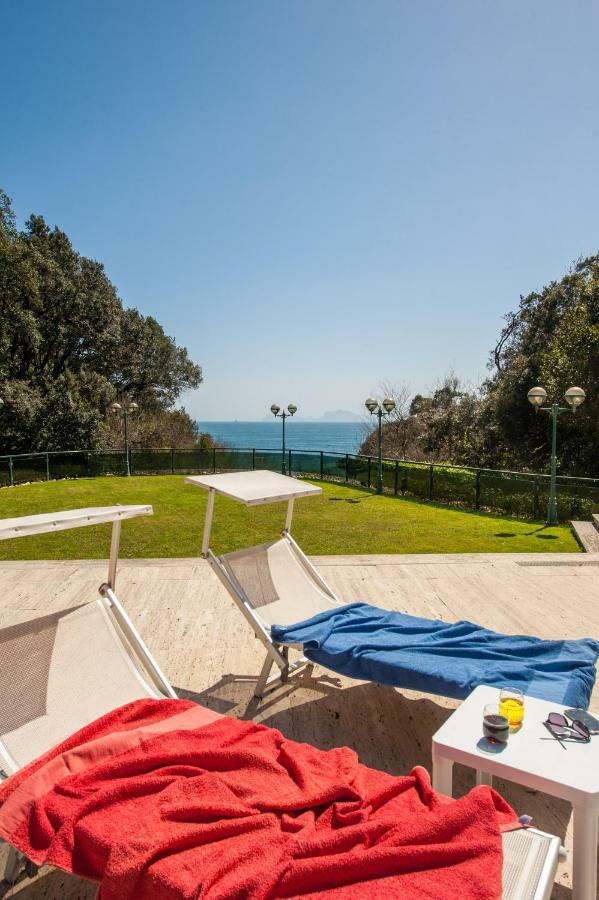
(338, 437)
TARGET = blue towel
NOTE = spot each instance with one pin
(428, 655)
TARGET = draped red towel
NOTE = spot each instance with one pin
(164, 799)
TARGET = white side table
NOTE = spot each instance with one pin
(531, 758)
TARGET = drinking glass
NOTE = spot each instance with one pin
(511, 705)
(496, 727)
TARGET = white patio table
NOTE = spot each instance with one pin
(534, 759)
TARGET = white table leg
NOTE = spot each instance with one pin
(584, 875)
(483, 777)
(442, 774)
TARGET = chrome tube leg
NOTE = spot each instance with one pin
(14, 864)
(285, 671)
(289, 516)
(114, 553)
(208, 523)
(263, 677)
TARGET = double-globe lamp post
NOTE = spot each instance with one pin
(125, 409)
(377, 409)
(574, 397)
(276, 411)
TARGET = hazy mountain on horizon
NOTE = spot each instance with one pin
(335, 415)
(339, 415)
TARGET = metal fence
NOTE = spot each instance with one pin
(519, 493)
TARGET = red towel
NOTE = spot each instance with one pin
(152, 802)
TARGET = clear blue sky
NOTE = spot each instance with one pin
(312, 196)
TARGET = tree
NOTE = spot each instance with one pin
(553, 340)
(68, 347)
(440, 427)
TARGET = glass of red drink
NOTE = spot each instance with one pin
(496, 727)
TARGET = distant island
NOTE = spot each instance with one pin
(335, 415)
(339, 415)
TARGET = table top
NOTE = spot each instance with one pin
(22, 526)
(531, 756)
(255, 487)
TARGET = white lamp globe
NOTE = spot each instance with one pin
(537, 396)
(575, 397)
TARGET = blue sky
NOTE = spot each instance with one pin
(313, 197)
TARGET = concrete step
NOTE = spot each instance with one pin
(587, 535)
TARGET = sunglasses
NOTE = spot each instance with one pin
(560, 728)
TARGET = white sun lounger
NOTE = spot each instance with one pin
(273, 583)
(276, 583)
(61, 671)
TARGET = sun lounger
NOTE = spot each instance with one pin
(63, 670)
(288, 604)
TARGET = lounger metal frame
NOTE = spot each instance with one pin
(276, 654)
(125, 630)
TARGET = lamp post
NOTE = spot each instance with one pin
(276, 411)
(377, 409)
(537, 396)
(125, 409)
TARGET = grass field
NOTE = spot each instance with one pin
(343, 520)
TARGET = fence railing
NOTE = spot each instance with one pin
(519, 493)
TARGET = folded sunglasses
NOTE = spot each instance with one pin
(560, 728)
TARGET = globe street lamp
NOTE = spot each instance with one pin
(125, 409)
(380, 410)
(276, 411)
(537, 396)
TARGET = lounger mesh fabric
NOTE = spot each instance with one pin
(277, 584)
(59, 673)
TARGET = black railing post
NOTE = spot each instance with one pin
(11, 473)
(431, 475)
(322, 465)
(395, 477)
(347, 466)
(214, 459)
(172, 460)
(535, 499)
(253, 458)
(477, 490)
(130, 461)
(369, 464)
(47, 467)
(289, 463)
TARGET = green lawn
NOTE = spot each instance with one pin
(343, 520)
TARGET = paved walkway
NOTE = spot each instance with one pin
(210, 655)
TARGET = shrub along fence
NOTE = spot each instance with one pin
(519, 493)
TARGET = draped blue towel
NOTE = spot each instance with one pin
(437, 657)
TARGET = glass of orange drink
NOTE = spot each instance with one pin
(511, 705)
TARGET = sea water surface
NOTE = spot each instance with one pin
(339, 437)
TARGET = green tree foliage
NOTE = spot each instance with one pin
(552, 340)
(442, 427)
(68, 347)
